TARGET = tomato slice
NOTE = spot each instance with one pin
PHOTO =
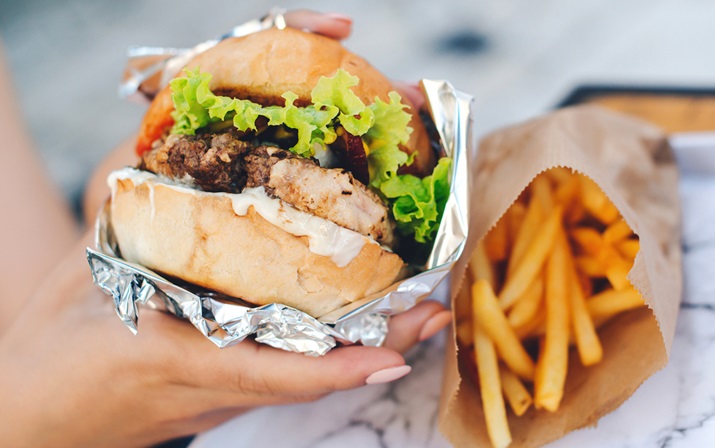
(156, 121)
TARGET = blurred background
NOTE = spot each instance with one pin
(517, 57)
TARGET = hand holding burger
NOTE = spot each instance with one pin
(64, 385)
(78, 378)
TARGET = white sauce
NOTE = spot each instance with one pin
(137, 177)
(324, 237)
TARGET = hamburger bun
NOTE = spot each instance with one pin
(198, 237)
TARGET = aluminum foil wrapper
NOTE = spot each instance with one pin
(225, 322)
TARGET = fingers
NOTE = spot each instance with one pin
(250, 373)
(412, 92)
(334, 25)
(270, 372)
(254, 374)
(420, 323)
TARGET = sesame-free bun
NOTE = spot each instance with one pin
(264, 65)
(198, 237)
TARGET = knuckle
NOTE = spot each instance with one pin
(254, 383)
(297, 399)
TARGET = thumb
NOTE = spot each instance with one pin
(417, 324)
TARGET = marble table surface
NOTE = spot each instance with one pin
(674, 408)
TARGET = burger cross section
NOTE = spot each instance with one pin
(281, 168)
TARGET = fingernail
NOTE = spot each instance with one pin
(388, 375)
(435, 324)
(338, 16)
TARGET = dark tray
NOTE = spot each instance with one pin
(674, 109)
(584, 93)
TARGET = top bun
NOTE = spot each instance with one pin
(296, 61)
(262, 66)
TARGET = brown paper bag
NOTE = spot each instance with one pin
(632, 163)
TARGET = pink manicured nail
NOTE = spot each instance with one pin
(388, 375)
(338, 16)
(435, 324)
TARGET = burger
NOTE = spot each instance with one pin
(280, 167)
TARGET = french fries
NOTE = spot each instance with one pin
(532, 261)
(604, 306)
(497, 241)
(492, 399)
(533, 216)
(528, 305)
(562, 255)
(515, 392)
(491, 318)
(582, 326)
(553, 358)
(481, 267)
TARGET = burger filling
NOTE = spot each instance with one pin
(221, 143)
(222, 162)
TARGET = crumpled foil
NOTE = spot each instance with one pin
(225, 322)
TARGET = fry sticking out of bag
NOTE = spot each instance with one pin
(533, 216)
(491, 388)
(562, 255)
(492, 320)
(532, 261)
(553, 357)
(584, 331)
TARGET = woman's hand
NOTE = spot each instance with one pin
(74, 376)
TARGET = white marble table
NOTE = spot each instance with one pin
(674, 408)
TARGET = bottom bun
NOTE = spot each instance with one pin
(198, 237)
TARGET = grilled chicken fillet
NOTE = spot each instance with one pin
(223, 162)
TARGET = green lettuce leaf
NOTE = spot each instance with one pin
(384, 137)
(196, 106)
(383, 162)
(383, 125)
(188, 113)
(391, 122)
(418, 204)
(335, 94)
